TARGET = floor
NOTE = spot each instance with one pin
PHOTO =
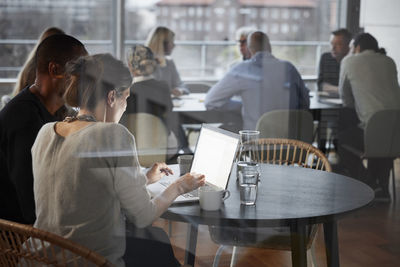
(367, 238)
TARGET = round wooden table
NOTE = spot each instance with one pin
(287, 196)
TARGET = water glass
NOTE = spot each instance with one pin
(247, 151)
(248, 184)
(246, 166)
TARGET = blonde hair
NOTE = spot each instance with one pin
(27, 74)
(157, 40)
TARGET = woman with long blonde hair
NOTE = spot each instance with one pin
(161, 43)
(27, 75)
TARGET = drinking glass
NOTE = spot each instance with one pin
(247, 152)
(246, 166)
(248, 184)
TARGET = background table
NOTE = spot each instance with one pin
(191, 109)
(287, 196)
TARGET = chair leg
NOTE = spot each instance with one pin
(218, 255)
(313, 257)
(393, 183)
(233, 258)
(169, 228)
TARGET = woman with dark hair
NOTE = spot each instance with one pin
(368, 83)
(87, 178)
(365, 41)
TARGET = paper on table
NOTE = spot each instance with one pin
(326, 87)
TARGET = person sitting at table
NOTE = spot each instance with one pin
(264, 83)
(368, 83)
(27, 75)
(152, 96)
(161, 42)
(328, 78)
(241, 37)
(21, 120)
(87, 176)
(329, 64)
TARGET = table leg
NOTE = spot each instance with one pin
(298, 242)
(191, 241)
(331, 243)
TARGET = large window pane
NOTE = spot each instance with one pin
(21, 23)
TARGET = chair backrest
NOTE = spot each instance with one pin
(151, 136)
(382, 135)
(289, 152)
(198, 87)
(292, 124)
(21, 245)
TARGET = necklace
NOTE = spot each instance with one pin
(83, 117)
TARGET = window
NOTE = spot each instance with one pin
(284, 28)
(285, 13)
(199, 25)
(275, 13)
(220, 27)
(253, 13)
(264, 13)
(208, 12)
(219, 11)
(207, 26)
(233, 12)
(275, 28)
(165, 11)
(232, 28)
(199, 12)
(191, 11)
(190, 26)
(296, 14)
(94, 23)
(183, 25)
(264, 27)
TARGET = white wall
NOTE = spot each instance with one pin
(381, 18)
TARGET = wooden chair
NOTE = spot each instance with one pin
(21, 245)
(279, 152)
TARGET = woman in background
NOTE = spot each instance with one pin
(153, 96)
(161, 42)
(87, 178)
(27, 75)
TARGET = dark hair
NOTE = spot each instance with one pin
(367, 42)
(344, 33)
(58, 48)
(93, 77)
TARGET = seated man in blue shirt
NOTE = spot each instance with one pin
(263, 82)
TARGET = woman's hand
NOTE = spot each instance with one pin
(190, 182)
(157, 171)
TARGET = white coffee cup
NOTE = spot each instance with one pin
(211, 198)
